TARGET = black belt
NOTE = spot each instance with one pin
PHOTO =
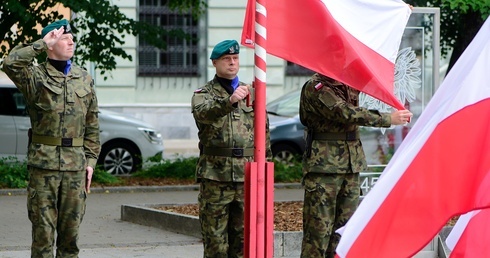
(340, 136)
(229, 152)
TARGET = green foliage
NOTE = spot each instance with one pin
(287, 173)
(156, 158)
(185, 168)
(181, 168)
(102, 177)
(13, 173)
(482, 6)
(460, 21)
(99, 26)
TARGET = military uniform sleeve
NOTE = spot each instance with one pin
(333, 107)
(206, 109)
(91, 141)
(19, 62)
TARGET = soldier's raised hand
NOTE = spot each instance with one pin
(53, 36)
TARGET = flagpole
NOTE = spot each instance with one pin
(259, 185)
(260, 118)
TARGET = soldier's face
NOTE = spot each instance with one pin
(227, 66)
(64, 49)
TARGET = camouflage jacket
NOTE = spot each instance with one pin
(60, 106)
(223, 125)
(330, 106)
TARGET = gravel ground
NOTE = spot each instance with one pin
(288, 216)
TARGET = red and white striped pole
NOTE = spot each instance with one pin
(259, 221)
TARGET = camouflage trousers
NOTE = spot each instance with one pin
(55, 203)
(221, 213)
(329, 202)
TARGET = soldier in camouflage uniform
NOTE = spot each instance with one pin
(226, 142)
(333, 159)
(64, 141)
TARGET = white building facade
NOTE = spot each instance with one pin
(157, 86)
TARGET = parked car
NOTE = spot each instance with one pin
(286, 130)
(126, 141)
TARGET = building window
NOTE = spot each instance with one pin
(181, 58)
(293, 69)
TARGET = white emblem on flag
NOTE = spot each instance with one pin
(407, 79)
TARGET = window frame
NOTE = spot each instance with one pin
(182, 56)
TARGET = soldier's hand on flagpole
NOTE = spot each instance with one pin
(400, 117)
(240, 93)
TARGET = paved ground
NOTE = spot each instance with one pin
(103, 234)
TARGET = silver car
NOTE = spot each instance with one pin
(126, 141)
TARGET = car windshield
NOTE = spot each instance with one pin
(286, 105)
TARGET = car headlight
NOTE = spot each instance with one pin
(152, 135)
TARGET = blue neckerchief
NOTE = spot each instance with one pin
(235, 82)
(67, 67)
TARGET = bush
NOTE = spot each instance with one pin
(185, 168)
(102, 177)
(287, 173)
(179, 168)
(13, 173)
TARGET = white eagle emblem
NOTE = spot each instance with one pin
(407, 79)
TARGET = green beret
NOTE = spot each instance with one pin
(56, 25)
(226, 47)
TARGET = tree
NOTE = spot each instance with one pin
(460, 21)
(103, 25)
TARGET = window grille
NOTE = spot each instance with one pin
(181, 57)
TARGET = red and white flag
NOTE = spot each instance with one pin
(440, 170)
(470, 236)
(352, 41)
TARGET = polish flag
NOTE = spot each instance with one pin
(470, 235)
(352, 41)
(440, 170)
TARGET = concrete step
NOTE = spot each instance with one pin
(286, 244)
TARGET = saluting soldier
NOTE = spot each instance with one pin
(226, 141)
(333, 159)
(64, 139)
